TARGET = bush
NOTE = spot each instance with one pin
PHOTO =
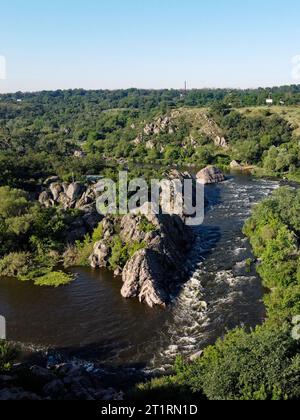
(146, 226)
(78, 255)
(54, 279)
(163, 389)
(15, 264)
(262, 365)
(265, 363)
(8, 354)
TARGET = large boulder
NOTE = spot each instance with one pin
(130, 229)
(210, 175)
(143, 277)
(234, 165)
(45, 199)
(74, 191)
(100, 255)
(221, 142)
(56, 189)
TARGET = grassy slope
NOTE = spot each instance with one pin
(289, 113)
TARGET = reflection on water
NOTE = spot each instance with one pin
(91, 314)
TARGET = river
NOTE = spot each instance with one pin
(89, 318)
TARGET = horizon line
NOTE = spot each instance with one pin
(24, 92)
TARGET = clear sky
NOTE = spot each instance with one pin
(56, 44)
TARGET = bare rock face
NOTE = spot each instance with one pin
(143, 278)
(100, 256)
(129, 229)
(235, 165)
(68, 196)
(46, 200)
(221, 142)
(152, 273)
(156, 270)
(160, 125)
(51, 180)
(73, 196)
(71, 381)
(56, 189)
(74, 191)
(210, 175)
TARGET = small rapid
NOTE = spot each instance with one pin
(89, 320)
(224, 291)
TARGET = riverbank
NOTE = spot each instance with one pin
(89, 318)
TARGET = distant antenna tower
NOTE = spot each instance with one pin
(185, 87)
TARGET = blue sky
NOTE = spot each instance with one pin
(148, 43)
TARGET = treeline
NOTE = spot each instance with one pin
(262, 364)
(149, 99)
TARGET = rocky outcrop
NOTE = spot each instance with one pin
(221, 142)
(161, 125)
(235, 165)
(73, 195)
(100, 256)
(157, 269)
(68, 381)
(79, 154)
(211, 129)
(74, 191)
(143, 278)
(69, 196)
(210, 175)
(153, 273)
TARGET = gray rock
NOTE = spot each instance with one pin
(74, 191)
(91, 220)
(51, 180)
(45, 199)
(130, 229)
(118, 272)
(64, 201)
(152, 273)
(41, 376)
(196, 356)
(100, 256)
(235, 165)
(210, 175)
(55, 389)
(221, 142)
(143, 277)
(56, 189)
(17, 394)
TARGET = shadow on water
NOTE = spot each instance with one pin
(119, 376)
(88, 319)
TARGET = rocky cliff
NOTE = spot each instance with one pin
(73, 195)
(155, 271)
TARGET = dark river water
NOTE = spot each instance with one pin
(89, 318)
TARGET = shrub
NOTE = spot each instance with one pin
(8, 354)
(54, 279)
(262, 365)
(146, 226)
(15, 264)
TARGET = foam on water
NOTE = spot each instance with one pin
(221, 294)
